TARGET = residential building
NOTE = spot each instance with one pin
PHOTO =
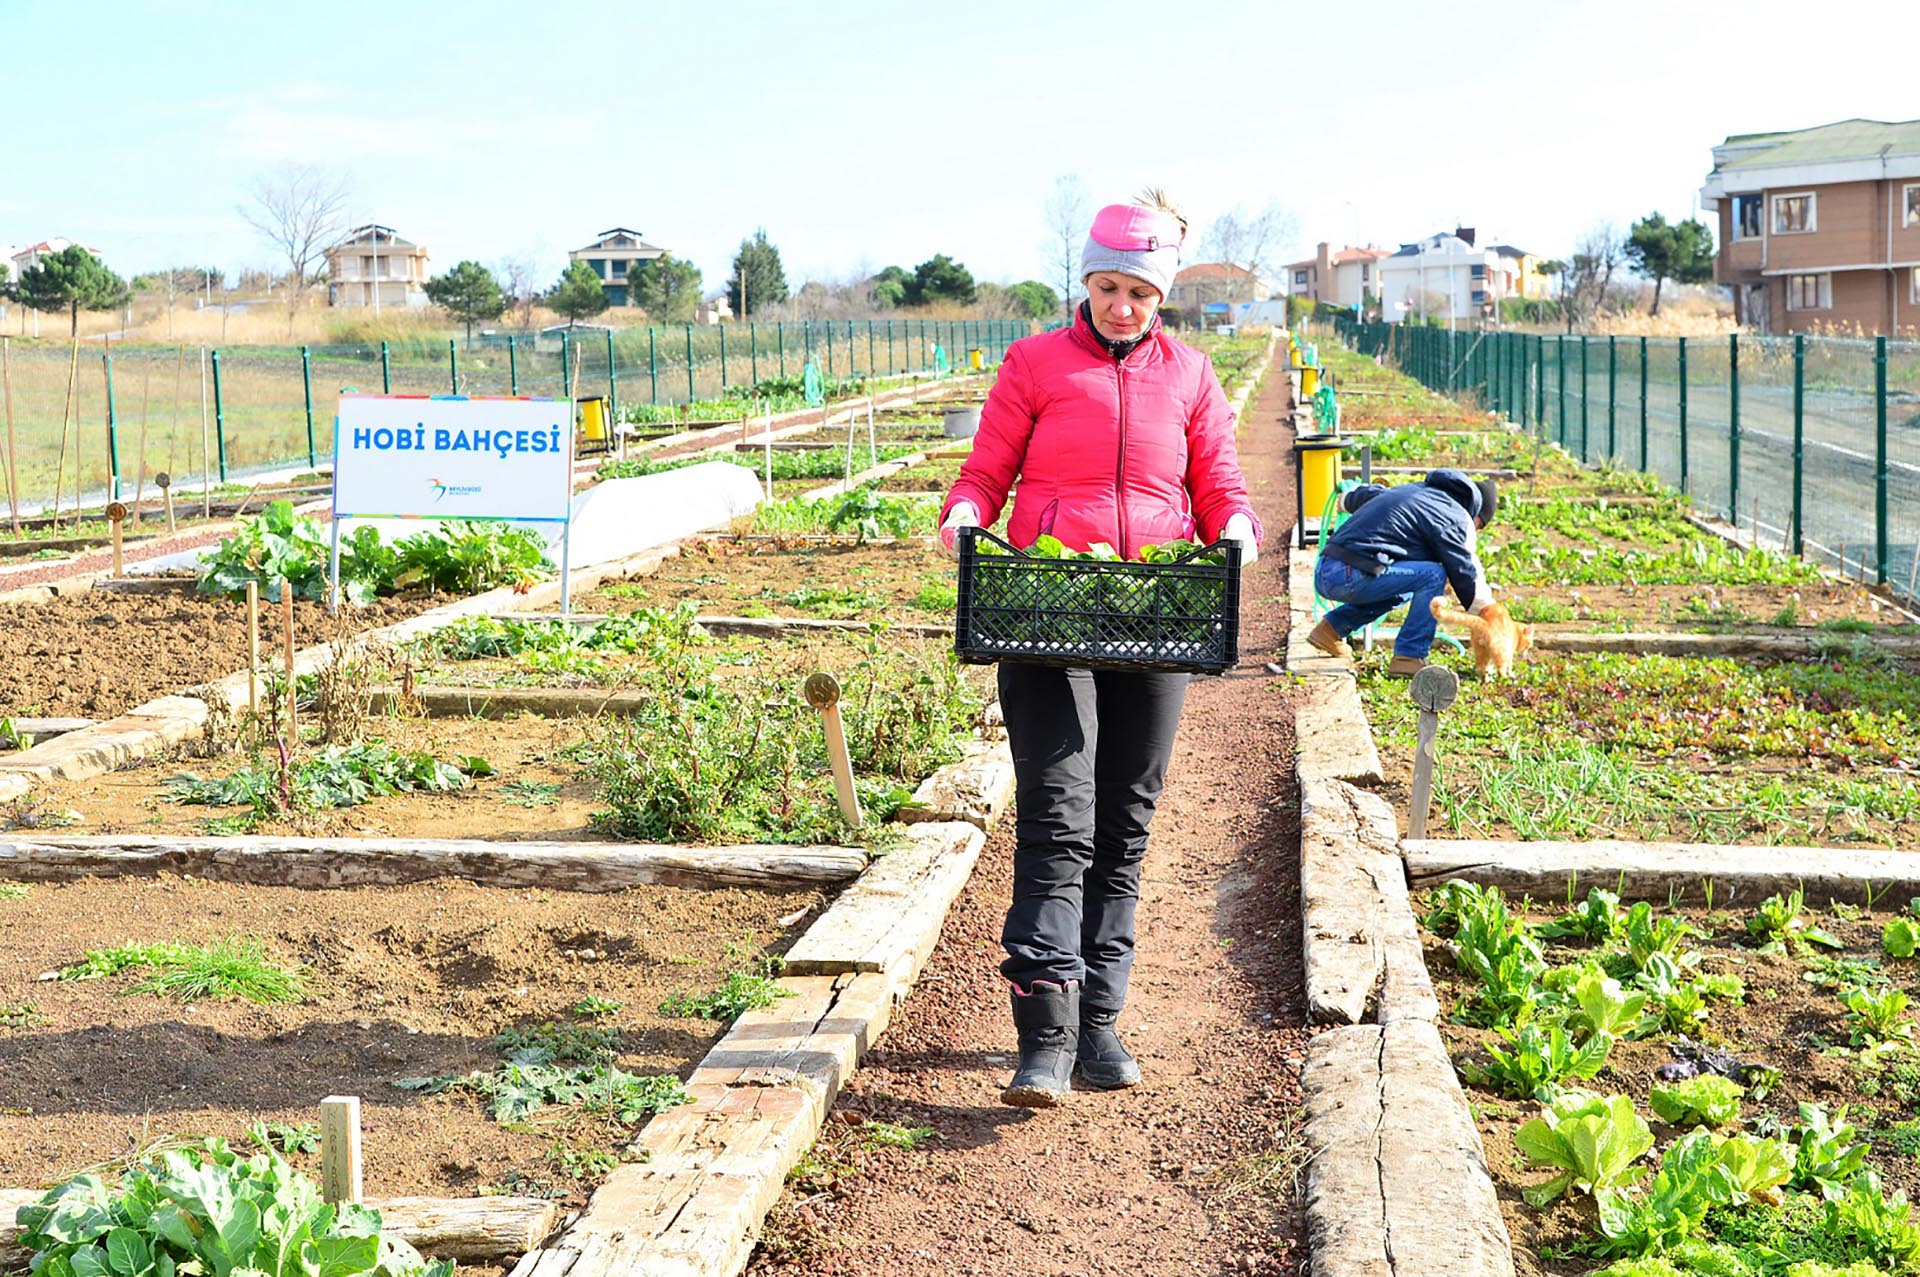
(19, 259)
(1820, 227)
(1524, 268)
(1447, 276)
(1344, 278)
(1206, 283)
(713, 309)
(612, 257)
(375, 268)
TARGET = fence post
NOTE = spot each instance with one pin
(1880, 458)
(1733, 434)
(780, 333)
(113, 434)
(613, 387)
(566, 372)
(306, 381)
(1799, 437)
(1643, 403)
(1585, 398)
(691, 394)
(1613, 383)
(1560, 377)
(453, 365)
(513, 365)
(753, 353)
(872, 367)
(386, 371)
(220, 416)
(829, 324)
(889, 348)
(723, 360)
(653, 368)
(1683, 416)
(1540, 385)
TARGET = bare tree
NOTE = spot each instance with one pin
(1249, 240)
(299, 210)
(1067, 222)
(1588, 278)
(516, 279)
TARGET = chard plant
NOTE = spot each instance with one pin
(1784, 927)
(1690, 1182)
(1535, 1061)
(1828, 1152)
(1755, 1168)
(1598, 919)
(1876, 1019)
(1606, 1007)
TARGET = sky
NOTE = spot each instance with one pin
(860, 134)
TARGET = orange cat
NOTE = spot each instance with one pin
(1497, 637)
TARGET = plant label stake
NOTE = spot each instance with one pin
(1434, 688)
(286, 622)
(340, 1174)
(823, 693)
(253, 649)
(164, 482)
(767, 438)
(116, 514)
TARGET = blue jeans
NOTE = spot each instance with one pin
(1365, 599)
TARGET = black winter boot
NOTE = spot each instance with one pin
(1048, 1022)
(1104, 1062)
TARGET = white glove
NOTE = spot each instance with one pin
(963, 515)
(1240, 528)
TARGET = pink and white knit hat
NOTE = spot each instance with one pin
(1129, 239)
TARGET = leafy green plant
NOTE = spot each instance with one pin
(467, 557)
(1647, 936)
(530, 793)
(876, 1134)
(11, 737)
(1690, 1182)
(1598, 919)
(742, 991)
(14, 891)
(336, 776)
(872, 515)
(553, 1041)
(288, 1137)
(1707, 1100)
(231, 967)
(1827, 1151)
(19, 1015)
(1784, 927)
(1755, 1168)
(1877, 1017)
(277, 545)
(529, 1079)
(1900, 938)
(595, 1005)
(1593, 1141)
(206, 1210)
(1876, 1223)
(1607, 1008)
(1534, 1062)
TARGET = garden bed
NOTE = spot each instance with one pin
(1761, 986)
(96, 655)
(400, 982)
(1578, 746)
(909, 580)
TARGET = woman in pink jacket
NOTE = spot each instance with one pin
(1115, 432)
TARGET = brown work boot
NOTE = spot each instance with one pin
(1405, 666)
(1324, 637)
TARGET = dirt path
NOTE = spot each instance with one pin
(1194, 1171)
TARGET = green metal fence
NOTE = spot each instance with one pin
(130, 411)
(1814, 441)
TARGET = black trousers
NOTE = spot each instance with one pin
(1090, 752)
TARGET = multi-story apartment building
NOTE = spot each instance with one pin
(1212, 283)
(1345, 278)
(1449, 277)
(1820, 227)
(373, 267)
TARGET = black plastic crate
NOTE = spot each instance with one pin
(1098, 614)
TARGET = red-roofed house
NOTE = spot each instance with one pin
(1344, 278)
(1206, 282)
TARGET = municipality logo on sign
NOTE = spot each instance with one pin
(442, 490)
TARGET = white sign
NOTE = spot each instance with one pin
(452, 457)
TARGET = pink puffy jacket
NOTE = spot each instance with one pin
(1131, 452)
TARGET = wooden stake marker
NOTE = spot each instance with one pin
(286, 622)
(823, 693)
(253, 648)
(340, 1171)
(164, 482)
(116, 515)
(1434, 688)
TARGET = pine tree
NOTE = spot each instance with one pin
(468, 292)
(578, 294)
(757, 265)
(68, 280)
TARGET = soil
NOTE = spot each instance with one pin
(98, 655)
(766, 578)
(1784, 1022)
(1729, 609)
(1194, 1171)
(405, 982)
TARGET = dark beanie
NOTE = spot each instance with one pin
(1489, 500)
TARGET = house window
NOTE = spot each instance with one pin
(1479, 296)
(1913, 286)
(1910, 196)
(1478, 270)
(1366, 273)
(619, 269)
(1809, 292)
(1299, 277)
(1746, 217)
(1793, 214)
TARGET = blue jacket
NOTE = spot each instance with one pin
(1430, 522)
